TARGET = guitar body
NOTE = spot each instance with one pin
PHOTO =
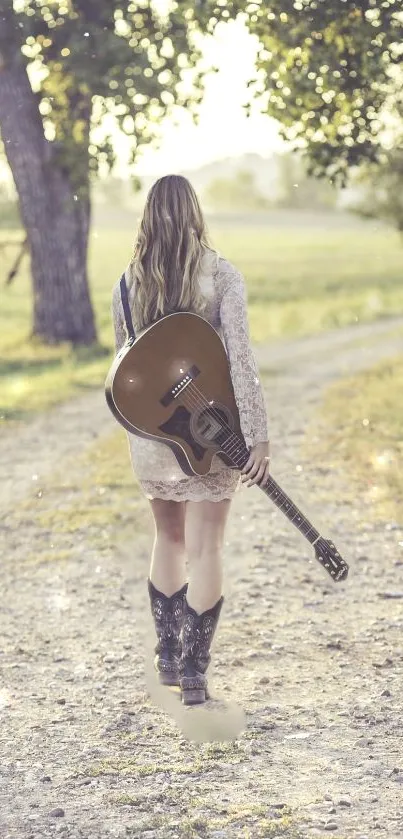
(164, 385)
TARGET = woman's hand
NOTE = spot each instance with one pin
(256, 469)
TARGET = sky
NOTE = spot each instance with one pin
(224, 130)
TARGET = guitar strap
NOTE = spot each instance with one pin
(126, 307)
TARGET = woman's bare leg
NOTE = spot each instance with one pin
(204, 536)
(168, 558)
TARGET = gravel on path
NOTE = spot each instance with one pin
(316, 666)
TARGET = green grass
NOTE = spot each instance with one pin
(362, 433)
(94, 499)
(252, 820)
(305, 281)
(299, 281)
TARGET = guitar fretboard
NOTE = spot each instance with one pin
(236, 450)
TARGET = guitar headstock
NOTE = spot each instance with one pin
(328, 555)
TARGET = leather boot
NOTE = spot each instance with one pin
(196, 636)
(168, 615)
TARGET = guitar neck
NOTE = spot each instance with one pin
(239, 455)
(293, 513)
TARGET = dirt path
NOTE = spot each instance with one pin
(317, 667)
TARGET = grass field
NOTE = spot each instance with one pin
(97, 501)
(300, 280)
(363, 434)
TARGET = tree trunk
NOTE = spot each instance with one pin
(56, 221)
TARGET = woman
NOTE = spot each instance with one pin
(174, 269)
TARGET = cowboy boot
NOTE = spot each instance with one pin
(196, 636)
(168, 615)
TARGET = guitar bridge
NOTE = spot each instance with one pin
(179, 386)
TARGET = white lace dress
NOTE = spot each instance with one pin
(154, 463)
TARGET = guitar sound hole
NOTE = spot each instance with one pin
(211, 425)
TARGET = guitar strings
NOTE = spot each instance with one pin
(195, 403)
(265, 486)
(215, 413)
(231, 452)
(198, 398)
(204, 402)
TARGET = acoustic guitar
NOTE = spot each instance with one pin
(173, 384)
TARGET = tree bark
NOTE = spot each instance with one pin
(56, 221)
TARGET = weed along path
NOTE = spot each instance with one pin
(316, 666)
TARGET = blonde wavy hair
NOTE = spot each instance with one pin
(171, 241)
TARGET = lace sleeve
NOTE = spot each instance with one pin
(118, 319)
(244, 372)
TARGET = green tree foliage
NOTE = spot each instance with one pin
(92, 58)
(381, 183)
(65, 66)
(239, 193)
(329, 69)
